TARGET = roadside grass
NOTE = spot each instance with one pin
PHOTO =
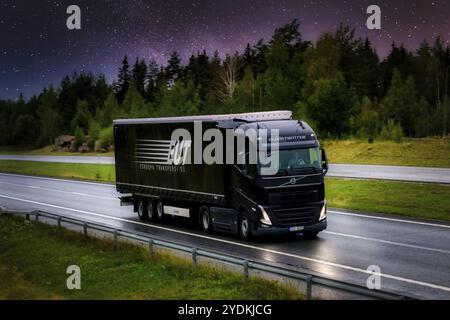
(77, 171)
(34, 258)
(411, 152)
(420, 200)
(47, 151)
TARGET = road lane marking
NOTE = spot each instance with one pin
(390, 219)
(328, 263)
(81, 194)
(386, 241)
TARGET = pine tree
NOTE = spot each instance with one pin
(123, 82)
(49, 118)
(139, 75)
(173, 70)
(134, 104)
(152, 78)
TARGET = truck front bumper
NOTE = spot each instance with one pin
(317, 227)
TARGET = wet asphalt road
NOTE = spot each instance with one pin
(413, 255)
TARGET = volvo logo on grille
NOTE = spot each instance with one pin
(292, 181)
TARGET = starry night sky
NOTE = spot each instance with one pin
(37, 49)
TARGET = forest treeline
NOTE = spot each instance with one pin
(338, 84)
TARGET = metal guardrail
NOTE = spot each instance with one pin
(247, 265)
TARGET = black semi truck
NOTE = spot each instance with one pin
(153, 175)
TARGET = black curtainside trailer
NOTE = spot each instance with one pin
(161, 176)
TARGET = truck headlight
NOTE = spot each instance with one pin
(265, 217)
(323, 212)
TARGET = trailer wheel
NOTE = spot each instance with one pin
(151, 210)
(160, 210)
(142, 209)
(205, 219)
(245, 226)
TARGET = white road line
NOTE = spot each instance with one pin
(80, 194)
(386, 242)
(390, 219)
(337, 265)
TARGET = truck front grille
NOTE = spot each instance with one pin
(289, 217)
(298, 195)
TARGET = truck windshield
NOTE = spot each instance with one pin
(297, 161)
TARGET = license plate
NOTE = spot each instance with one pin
(296, 229)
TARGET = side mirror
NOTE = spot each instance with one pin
(324, 161)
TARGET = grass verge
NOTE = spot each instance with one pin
(47, 151)
(421, 200)
(34, 258)
(78, 171)
(412, 152)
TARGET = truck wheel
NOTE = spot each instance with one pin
(151, 210)
(160, 210)
(205, 219)
(245, 226)
(142, 209)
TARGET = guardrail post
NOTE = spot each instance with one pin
(37, 215)
(115, 235)
(59, 222)
(246, 270)
(85, 227)
(308, 287)
(27, 217)
(150, 247)
(194, 257)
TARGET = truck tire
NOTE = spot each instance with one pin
(205, 219)
(151, 214)
(142, 209)
(160, 210)
(245, 226)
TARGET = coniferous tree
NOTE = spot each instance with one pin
(173, 69)
(139, 75)
(152, 81)
(123, 82)
(49, 118)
